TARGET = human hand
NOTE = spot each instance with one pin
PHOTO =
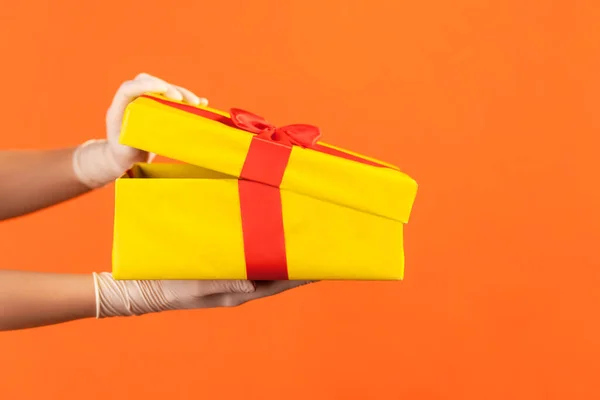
(127, 298)
(98, 162)
(191, 294)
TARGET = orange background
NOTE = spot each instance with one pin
(490, 105)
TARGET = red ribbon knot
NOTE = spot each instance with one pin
(297, 134)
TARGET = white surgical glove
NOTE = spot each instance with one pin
(98, 162)
(129, 298)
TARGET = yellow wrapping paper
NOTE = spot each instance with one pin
(329, 216)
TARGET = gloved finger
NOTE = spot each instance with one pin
(136, 88)
(172, 91)
(144, 75)
(173, 94)
(191, 97)
(226, 286)
(130, 90)
(263, 289)
(186, 95)
(270, 288)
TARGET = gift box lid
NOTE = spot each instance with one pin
(246, 146)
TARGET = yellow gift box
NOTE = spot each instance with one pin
(252, 201)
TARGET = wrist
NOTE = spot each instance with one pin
(129, 297)
(94, 164)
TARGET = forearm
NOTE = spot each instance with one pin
(34, 299)
(32, 180)
(31, 299)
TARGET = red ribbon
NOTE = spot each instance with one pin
(261, 176)
(297, 134)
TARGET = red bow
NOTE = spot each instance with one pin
(296, 134)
